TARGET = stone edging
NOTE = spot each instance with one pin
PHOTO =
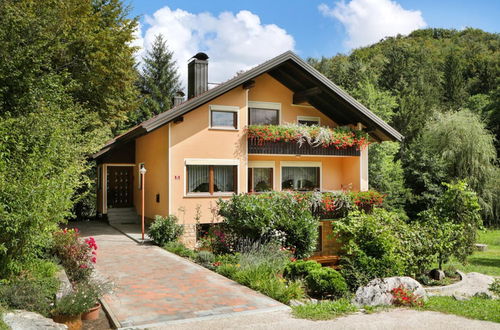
(447, 289)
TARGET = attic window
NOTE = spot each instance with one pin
(223, 117)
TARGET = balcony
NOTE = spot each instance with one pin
(257, 147)
(305, 140)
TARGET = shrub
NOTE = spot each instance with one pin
(74, 303)
(205, 258)
(32, 294)
(300, 269)
(179, 249)
(77, 255)
(165, 229)
(495, 287)
(373, 245)
(404, 297)
(324, 310)
(271, 216)
(326, 281)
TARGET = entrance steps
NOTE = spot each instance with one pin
(123, 215)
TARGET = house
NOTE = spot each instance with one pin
(199, 151)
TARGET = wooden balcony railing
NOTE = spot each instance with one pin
(293, 148)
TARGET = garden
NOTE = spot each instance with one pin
(265, 242)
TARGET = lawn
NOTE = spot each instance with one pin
(325, 310)
(487, 262)
(475, 308)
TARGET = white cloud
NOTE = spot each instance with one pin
(368, 21)
(233, 42)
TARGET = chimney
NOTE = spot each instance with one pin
(178, 98)
(197, 75)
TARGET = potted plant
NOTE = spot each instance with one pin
(95, 290)
(68, 309)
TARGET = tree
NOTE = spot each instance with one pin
(453, 221)
(454, 87)
(159, 80)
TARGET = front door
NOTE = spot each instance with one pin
(120, 186)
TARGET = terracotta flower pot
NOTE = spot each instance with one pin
(93, 313)
(73, 322)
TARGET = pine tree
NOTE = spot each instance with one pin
(454, 84)
(159, 80)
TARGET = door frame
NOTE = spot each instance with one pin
(104, 181)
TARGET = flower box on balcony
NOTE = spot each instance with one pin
(293, 148)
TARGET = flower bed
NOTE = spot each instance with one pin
(315, 136)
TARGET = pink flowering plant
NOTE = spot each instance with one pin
(77, 255)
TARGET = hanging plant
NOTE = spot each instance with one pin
(315, 136)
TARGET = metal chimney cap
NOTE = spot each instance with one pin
(201, 56)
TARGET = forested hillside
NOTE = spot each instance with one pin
(440, 89)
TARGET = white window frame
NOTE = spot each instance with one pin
(264, 164)
(301, 164)
(265, 105)
(213, 162)
(309, 118)
(224, 108)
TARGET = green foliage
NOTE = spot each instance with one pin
(326, 282)
(475, 308)
(324, 310)
(165, 229)
(179, 249)
(205, 258)
(300, 269)
(271, 216)
(74, 303)
(373, 245)
(495, 287)
(158, 81)
(29, 293)
(453, 222)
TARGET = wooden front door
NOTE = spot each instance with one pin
(120, 186)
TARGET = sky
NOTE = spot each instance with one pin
(238, 35)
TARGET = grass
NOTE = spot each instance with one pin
(475, 308)
(3, 326)
(487, 262)
(325, 310)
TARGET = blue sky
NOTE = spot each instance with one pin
(309, 27)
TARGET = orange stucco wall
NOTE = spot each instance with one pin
(268, 89)
(152, 150)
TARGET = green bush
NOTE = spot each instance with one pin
(373, 245)
(165, 229)
(30, 294)
(324, 310)
(325, 282)
(495, 287)
(179, 249)
(205, 258)
(271, 216)
(300, 269)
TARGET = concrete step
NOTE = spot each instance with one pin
(123, 215)
(121, 210)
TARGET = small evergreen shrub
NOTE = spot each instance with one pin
(326, 282)
(165, 229)
(300, 269)
(179, 249)
(205, 258)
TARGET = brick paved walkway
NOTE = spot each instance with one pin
(154, 286)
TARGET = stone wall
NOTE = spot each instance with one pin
(189, 236)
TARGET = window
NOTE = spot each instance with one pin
(300, 178)
(263, 116)
(211, 178)
(260, 179)
(139, 186)
(223, 117)
(308, 121)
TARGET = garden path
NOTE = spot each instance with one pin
(153, 286)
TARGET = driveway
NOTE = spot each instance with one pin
(155, 287)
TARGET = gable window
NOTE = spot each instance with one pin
(264, 113)
(308, 121)
(223, 117)
(211, 179)
(300, 176)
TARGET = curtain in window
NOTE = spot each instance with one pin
(262, 179)
(223, 178)
(198, 178)
(300, 178)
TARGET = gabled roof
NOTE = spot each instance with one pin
(295, 74)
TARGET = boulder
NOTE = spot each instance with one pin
(481, 247)
(437, 274)
(65, 286)
(378, 291)
(23, 320)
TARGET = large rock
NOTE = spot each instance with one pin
(23, 320)
(65, 286)
(378, 291)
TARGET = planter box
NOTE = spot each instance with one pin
(293, 148)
